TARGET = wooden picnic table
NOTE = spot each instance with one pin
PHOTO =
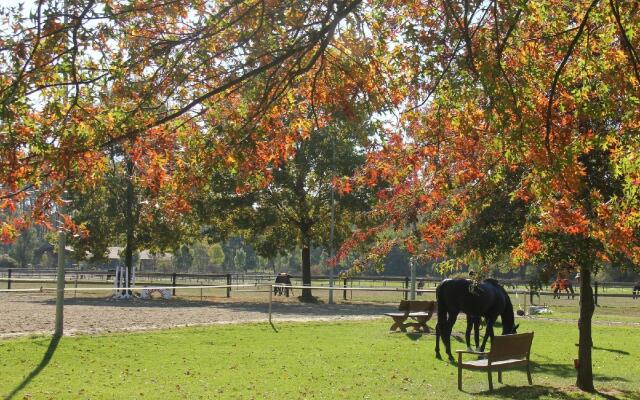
(420, 311)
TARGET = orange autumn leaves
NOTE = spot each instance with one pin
(459, 91)
(486, 113)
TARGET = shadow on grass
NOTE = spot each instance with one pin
(537, 391)
(415, 336)
(43, 363)
(626, 353)
(567, 371)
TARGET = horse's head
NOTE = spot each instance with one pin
(510, 330)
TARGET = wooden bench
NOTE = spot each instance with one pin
(507, 352)
(419, 310)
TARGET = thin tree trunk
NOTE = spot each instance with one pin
(306, 268)
(129, 217)
(585, 368)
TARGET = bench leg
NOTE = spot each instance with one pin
(417, 327)
(398, 323)
(490, 379)
(499, 376)
(422, 324)
(460, 371)
(529, 374)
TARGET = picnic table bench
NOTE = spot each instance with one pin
(507, 352)
(420, 311)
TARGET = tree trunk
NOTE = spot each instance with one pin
(306, 268)
(129, 217)
(585, 343)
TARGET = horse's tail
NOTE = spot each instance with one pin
(443, 309)
(442, 317)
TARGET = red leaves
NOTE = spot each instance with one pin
(8, 204)
(7, 233)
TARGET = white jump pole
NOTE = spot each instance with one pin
(126, 281)
(115, 282)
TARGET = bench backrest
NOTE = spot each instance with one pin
(417, 305)
(510, 346)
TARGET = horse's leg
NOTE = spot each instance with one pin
(476, 333)
(439, 326)
(573, 293)
(451, 321)
(442, 332)
(467, 333)
(488, 332)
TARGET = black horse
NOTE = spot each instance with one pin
(636, 290)
(487, 299)
(282, 278)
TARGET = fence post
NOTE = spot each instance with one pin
(173, 281)
(595, 293)
(406, 287)
(9, 279)
(531, 296)
(344, 292)
(228, 285)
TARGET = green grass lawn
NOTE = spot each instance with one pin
(351, 360)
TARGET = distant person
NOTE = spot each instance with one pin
(420, 286)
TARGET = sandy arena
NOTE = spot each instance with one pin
(22, 314)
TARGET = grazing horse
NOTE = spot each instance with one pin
(487, 299)
(636, 290)
(282, 279)
(562, 285)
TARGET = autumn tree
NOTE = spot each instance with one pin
(119, 209)
(78, 80)
(293, 210)
(546, 90)
(473, 89)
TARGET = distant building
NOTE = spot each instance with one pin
(146, 259)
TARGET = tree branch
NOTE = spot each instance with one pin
(558, 72)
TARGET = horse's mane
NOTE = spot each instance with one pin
(507, 314)
(494, 281)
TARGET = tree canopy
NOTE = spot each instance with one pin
(533, 106)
